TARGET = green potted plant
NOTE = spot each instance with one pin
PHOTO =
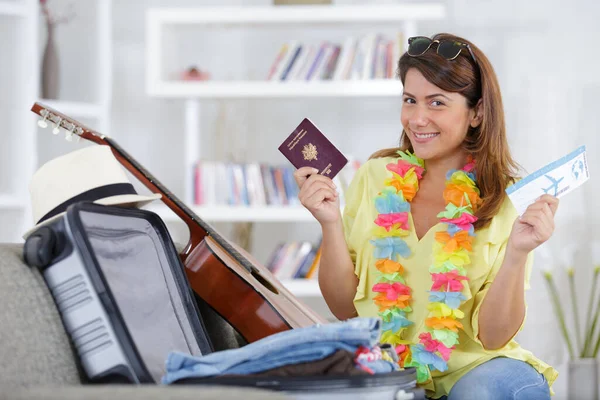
(583, 344)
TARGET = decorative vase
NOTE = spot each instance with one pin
(583, 379)
(50, 67)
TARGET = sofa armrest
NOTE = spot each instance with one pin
(131, 392)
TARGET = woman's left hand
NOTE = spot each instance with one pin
(535, 226)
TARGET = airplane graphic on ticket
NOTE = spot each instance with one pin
(554, 186)
(557, 179)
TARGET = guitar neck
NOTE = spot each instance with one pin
(177, 206)
(155, 186)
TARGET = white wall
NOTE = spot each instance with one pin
(543, 51)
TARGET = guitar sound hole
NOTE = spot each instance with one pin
(263, 281)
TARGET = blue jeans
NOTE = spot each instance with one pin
(284, 348)
(501, 379)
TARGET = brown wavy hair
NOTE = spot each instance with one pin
(495, 167)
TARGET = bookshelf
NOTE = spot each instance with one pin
(19, 80)
(162, 22)
(97, 110)
(158, 20)
(22, 154)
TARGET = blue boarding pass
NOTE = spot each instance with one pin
(557, 179)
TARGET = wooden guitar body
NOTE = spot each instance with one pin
(220, 281)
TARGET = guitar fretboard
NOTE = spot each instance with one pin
(180, 204)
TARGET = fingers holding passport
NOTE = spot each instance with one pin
(317, 192)
(314, 187)
(301, 175)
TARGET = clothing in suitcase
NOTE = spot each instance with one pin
(259, 364)
(121, 289)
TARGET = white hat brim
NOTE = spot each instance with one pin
(122, 199)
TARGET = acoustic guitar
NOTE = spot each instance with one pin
(243, 292)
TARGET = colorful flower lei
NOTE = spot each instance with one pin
(450, 256)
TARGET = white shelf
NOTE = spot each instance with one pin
(11, 202)
(272, 89)
(75, 109)
(303, 287)
(242, 213)
(12, 8)
(297, 14)
(158, 20)
(26, 56)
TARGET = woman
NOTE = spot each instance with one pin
(430, 242)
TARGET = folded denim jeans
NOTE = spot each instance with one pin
(340, 362)
(283, 348)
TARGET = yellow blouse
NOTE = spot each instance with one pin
(489, 247)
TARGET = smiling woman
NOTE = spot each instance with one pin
(428, 239)
(466, 94)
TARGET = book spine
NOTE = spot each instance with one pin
(299, 63)
(317, 61)
(390, 62)
(331, 63)
(342, 62)
(277, 61)
(282, 65)
(287, 70)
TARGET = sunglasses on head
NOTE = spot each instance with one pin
(449, 49)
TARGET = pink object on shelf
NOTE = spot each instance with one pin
(195, 74)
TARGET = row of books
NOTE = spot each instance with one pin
(295, 260)
(370, 56)
(235, 184)
(253, 184)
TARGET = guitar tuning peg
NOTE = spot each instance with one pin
(69, 135)
(56, 129)
(42, 122)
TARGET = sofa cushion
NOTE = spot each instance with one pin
(120, 392)
(34, 346)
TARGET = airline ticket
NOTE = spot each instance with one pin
(557, 179)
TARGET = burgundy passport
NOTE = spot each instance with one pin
(308, 147)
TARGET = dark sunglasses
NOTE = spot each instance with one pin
(449, 49)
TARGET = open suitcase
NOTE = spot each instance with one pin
(123, 296)
(121, 290)
(398, 385)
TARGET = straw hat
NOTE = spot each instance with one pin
(89, 174)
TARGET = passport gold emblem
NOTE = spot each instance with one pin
(310, 152)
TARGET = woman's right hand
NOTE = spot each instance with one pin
(318, 194)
